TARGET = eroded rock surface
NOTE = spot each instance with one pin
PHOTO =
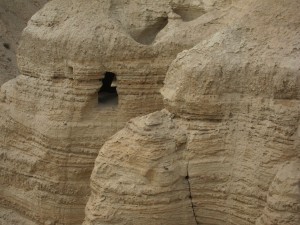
(52, 122)
(14, 15)
(226, 148)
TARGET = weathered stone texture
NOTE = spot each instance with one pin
(52, 126)
(14, 15)
(226, 148)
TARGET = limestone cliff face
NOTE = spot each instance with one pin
(14, 15)
(53, 118)
(226, 148)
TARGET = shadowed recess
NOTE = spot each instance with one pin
(107, 95)
(189, 14)
(148, 35)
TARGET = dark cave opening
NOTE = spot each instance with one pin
(108, 94)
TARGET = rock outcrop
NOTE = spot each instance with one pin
(14, 15)
(55, 116)
(226, 148)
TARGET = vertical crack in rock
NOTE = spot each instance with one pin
(190, 191)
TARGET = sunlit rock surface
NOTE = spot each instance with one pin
(225, 150)
(55, 116)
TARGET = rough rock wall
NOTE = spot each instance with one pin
(226, 148)
(14, 15)
(52, 125)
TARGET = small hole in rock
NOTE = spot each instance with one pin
(70, 70)
(6, 45)
(108, 95)
(187, 177)
(147, 35)
(189, 14)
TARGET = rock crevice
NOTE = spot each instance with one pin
(187, 177)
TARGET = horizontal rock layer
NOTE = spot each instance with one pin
(52, 123)
(226, 148)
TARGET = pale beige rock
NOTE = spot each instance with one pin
(14, 15)
(139, 176)
(229, 136)
(283, 200)
(224, 151)
(52, 126)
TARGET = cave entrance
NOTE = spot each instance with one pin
(108, 95)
